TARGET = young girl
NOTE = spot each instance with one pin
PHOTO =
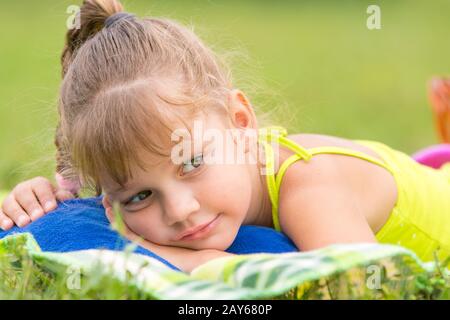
(130, 83)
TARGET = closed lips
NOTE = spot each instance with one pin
(196, 229)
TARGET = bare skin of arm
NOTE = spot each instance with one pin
(183, 258)
(322, 208)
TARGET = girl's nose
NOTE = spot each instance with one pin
(179, 206)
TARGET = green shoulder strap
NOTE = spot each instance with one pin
(279, 134)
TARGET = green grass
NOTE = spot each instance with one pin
(24, 279)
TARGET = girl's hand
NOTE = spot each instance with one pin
(29, 201)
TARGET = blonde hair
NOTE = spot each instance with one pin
(121, 79)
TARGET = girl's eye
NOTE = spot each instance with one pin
(139, 197)
(192, 164)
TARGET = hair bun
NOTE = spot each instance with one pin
(93, 15)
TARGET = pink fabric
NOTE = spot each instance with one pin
(434, 156)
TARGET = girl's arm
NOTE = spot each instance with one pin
(322, 209)
(333, 219)
(185, 259)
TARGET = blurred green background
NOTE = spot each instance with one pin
(313, 64)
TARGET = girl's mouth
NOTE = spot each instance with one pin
(203, 230)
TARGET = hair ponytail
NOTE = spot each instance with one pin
(92, 16)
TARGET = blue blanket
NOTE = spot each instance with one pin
(81, 224)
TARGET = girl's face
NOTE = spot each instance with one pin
(168, 200)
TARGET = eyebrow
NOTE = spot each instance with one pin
(114, 191)
(120, 189)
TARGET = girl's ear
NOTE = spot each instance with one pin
(241, 111)
(243, 118)
(108, 208)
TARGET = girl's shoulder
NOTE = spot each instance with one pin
(324, 167)
(312, 140)
(373, 188)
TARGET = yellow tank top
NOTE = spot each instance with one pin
(420, 220)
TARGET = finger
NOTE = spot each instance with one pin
(63, 195)
(5, 222)
(45, 193)
(15, 212)
(26, 198)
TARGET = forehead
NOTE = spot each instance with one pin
(149, 163)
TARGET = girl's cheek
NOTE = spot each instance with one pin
(139, 224)
(230, 184)
(217, 177)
